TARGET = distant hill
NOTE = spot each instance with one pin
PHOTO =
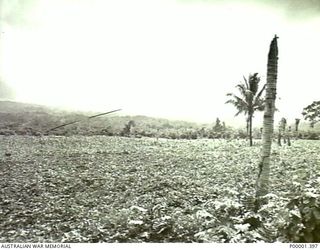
(23, 118)
(18, 107)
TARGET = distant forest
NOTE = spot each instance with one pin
(26, 119)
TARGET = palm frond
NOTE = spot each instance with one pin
(261, 91)
(241, 111)
(261, 107)
(240, 104)
(240, 108)
(246, 82)
(259, 104)
(243, 90)
(237, 101)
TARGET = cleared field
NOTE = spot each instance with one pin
(111, 189)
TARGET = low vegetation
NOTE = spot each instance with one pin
(117, 189)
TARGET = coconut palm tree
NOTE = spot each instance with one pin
(262, 185)
(249, 100)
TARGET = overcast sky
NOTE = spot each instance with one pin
(163, 58)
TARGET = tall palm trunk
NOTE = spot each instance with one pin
(247, 123)
(262, 185)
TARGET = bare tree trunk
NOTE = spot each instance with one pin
(279, 137)
(262, 185)
(288, 136)
(247, 122)
(297, 124)
(250, 129)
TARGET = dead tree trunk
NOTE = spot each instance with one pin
(262, 185)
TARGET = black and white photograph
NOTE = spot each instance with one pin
(159, 121)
